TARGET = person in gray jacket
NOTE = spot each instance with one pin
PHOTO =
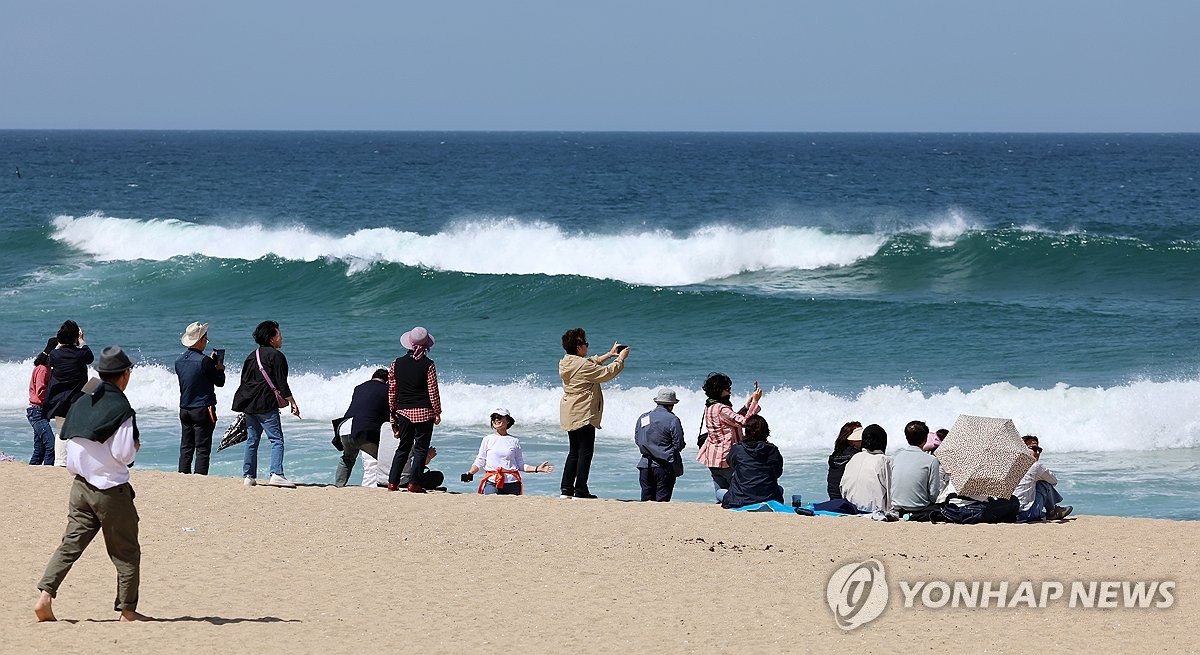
(659, 437)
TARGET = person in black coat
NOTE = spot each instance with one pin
(68, 373)
(757, 466)
(847, 445)
(367, 413)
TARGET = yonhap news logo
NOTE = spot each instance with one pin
(858, 593)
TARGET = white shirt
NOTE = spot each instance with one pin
(867, 481)
(1026, 490)
(501, 452)
(103, 465)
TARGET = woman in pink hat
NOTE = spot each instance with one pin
(415, 406)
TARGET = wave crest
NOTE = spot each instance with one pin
(485, 246)
(1139, 415)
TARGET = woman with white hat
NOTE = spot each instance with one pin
(501, 459)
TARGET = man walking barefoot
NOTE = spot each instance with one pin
(102, 441)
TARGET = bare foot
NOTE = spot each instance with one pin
(130, 615)
(42, 608)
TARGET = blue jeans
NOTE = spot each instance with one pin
(510, 489)
(1045, 498)
(256, 425)
(43, 436)
(721, 479)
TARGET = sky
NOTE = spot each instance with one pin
(646, 65)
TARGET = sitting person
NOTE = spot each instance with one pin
(867, 481)
(501, 459)
(1036, 493)
(916, 475)
(756, 465)
(847, 445)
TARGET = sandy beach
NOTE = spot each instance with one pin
(319, 569)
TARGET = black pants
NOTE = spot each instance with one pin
(198, 427)
(410, 451)
(657, 483)
(579, 461)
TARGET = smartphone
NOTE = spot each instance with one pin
(756, 385)
(622, 348)
(467, 477)
(218, 355)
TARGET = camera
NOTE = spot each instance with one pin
(467, 477)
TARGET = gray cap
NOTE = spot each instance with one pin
(113, 360)
(666, 397)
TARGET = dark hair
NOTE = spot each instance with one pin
(757, 429)
(916, 432)
(874, 437)
(573, 339)
(843, 438)
(380, 374)
(715, 384)
(1031, 439)
(511, 420)
(942, 433)
(265, 332)
(43, 358)
(68, 333)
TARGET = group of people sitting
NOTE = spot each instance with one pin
(911, 480)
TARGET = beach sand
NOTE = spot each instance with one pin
(316, 569)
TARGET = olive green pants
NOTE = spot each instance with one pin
(89, 512)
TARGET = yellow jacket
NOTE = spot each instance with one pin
(583, 402)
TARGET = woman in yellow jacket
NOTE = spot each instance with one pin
(582, 405)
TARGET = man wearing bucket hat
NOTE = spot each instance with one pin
(198, 376)
(415, 406)
(659, 436)
(102, 441)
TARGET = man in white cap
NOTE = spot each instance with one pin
(102, 441)
(198, 375)
(659, 436)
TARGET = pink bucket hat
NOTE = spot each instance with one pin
(417, 336)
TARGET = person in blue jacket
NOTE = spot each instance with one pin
(757, 466)
(659, 436)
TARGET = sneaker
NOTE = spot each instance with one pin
(248, 481)
(415, 488)
(565, 496)
(584, 494)
(280, 481)
(1059, 513)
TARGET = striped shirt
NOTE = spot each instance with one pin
(415, 414)
(724, 428)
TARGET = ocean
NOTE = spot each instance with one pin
(1047, 278)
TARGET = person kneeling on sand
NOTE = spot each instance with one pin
(1036, 493)
(103, 441)
(867, 481)
(757, 466)
(501, 459)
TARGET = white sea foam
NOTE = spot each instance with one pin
(488, 246)
(1140, 415)
(946, 229)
